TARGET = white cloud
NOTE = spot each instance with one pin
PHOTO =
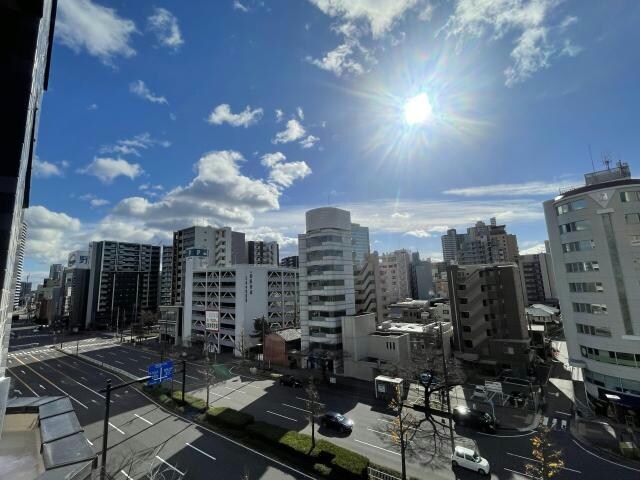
(93, 106)
(165, 27)
(47, 232)
(84, 25)
(300, 113)
(294, 131)
(140, 89)
(222, 114)
(284, 173)
(107, 169)
(267, 234)
(426, 14)
(239, 6)
(132, 146)
(94, 201)
(400, 215)
(339, 61)
(44, 169)
(536, 248)
(537, 43)
(378, 15)
(148, 186)
(418, 233)
(279, 115)
(512, 189)
(309, 142)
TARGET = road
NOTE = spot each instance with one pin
(146, 427)
(142, 436)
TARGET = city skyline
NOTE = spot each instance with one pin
(217, 137)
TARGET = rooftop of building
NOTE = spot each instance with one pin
(405, 327)
(289, 334)
(540, 310)
(618, 176)
(411, 303)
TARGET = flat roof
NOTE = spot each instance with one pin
(384, 378)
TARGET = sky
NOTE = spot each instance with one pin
(415, 115)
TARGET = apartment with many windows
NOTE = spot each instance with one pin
(594, 233)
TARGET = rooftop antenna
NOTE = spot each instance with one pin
(607, 161)
(593, 165)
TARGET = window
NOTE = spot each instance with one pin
(391, 345)
(593, 308)
(586, 287)
(575, 226)
(464, 314)
(468, 343)
(576, 267)
(578, 246)
(571, 206)
(591, 330)
(629, 197)
(466, 328)
(464, 301)
(632, 218)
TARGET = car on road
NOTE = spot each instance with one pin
(426, 377)
(337, 421)
(477, 419)
(480, 393)
(290, 381)
(469, 459)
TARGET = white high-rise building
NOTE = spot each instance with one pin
(395, 275)
(594, 234)
(327, 291)
(17, 274)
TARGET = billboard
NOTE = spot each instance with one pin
(212, 320)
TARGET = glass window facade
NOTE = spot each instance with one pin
(579, 246)
(576, 267)
(592, 308)
(575, 226)
(571, 206)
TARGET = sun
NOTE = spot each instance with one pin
(417, 110)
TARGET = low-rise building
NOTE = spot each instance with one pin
(539, 313)
(424, 336)
(282, 347)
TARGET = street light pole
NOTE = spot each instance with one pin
(446, 384)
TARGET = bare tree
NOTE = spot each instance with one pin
(403, 428)
(314, 408)
(548, 459)
(146, 464)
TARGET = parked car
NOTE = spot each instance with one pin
(480, 393)
(474, 419)
(426, 377)
(337, 421)
(467, 458)
(290, 381)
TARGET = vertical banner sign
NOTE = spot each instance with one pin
(212, 320)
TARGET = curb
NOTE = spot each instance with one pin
(610, 455)
(104, 366)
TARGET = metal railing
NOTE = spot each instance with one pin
(375, 474)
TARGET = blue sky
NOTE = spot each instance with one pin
(246, 113)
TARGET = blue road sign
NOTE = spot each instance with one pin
(160, 372)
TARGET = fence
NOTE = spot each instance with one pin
(375, 474)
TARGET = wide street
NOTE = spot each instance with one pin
(140, 429)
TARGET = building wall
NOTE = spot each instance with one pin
(275, 350)
(608, 258)
(290, 262)
(537, 278)
(263, 253)
(395, 274)
(368, 286)
(166, 275)
(360, 242)
(327, 292)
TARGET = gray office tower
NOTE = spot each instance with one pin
(123, 283)
(26, 33)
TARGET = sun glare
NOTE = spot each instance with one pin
(417, 110)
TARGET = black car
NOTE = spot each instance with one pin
(290, 381)
(474, 418)
(337, 421)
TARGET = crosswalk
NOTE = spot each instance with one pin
(554, 423)
(92, 342)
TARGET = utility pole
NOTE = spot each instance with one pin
(446, 385)
(105, 431)
(184, 378)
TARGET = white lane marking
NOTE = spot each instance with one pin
(143, 370)
(113, 353)
(118, 361)
(84, 379)
(98, 355)
(116, 428)
(132, 359)
(236, 390)
(301, 409)
(41, 386)
(169, 465)
(518, 473)
(605, 459)
(288, 418)
(192, 377)
(143, 419)
(23, 372)
(564, 413)
(216, 394)
(94, 401)
(89, 441)
(125, 474)
(378, 431)
(385, 420)
(306, 400)
(375, 446)
(554, 423)
(198, 450)
(534, 460)
(544, 421)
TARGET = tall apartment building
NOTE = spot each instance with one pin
(482, 244)
(224, 247)
(27, 32)
(487, 312)
(240, 293)
(421, 278)
(166, 275)
(75, 284)
(123, 282)
(537, 279)
(263, 253)
(290, 262)
(17, 274)
(327, 293)
(367, 284)
(594, 235)
(395, 276)
(360, 243)
(55, 272)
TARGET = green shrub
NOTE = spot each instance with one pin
(321, 469)
(228, 417)
(189, 400)
(266, 431)
(344, 462)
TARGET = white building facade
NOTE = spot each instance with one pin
(327, 292)
(594, 233)
(240, 294)
(395, 275)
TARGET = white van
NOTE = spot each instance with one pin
(467, 458)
